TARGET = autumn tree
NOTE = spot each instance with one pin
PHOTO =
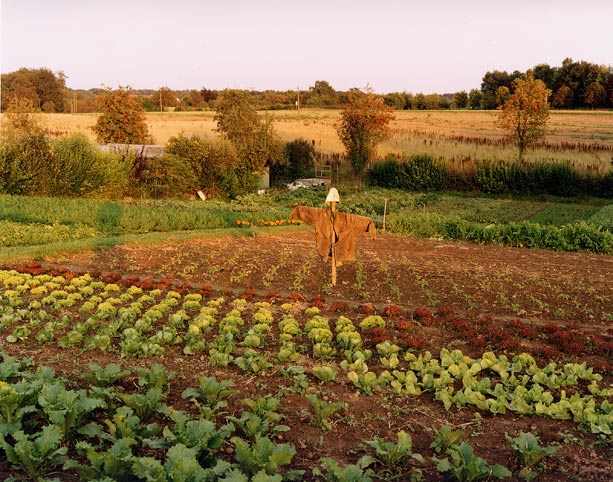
(122, 120)
(44, 88)
(524, 116)
(165, 97)
(255, 140)
(363, 125)
(460, 100)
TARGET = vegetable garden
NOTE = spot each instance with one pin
(232, 358)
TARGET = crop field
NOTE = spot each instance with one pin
(582, 138)
(226, 354)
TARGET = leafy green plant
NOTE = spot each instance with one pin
(202, 435)
(264, 457)
(367, 383)
(16, 401)
(181, 464)
(210, 395)
(66, 408)
(391, 453)
(261, 418)
(115, 463)
(322, 410)
(40, 454)
(145, 405)
(464, 466)
(337, 473)
(446, 438)
(156, 376)
(123, 424)
(530, 452)
(372, 321)
(324, 373)
(252, 361)
(105, 377)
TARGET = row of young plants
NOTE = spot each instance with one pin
(121, 426)
(573, 237)
(87, 314)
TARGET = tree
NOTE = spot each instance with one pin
(165, 97)
(364, 123)
(322, 94)
(255, 141)
(524, 116)
(595, 95)
(460, 100)
(25, 151)
(474, 99)
(41, 86)
(563, 98)
(192, 100)
(122, 120)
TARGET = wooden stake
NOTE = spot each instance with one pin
(384, 213)
(333, 210)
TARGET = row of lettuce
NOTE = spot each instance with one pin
(89, 314)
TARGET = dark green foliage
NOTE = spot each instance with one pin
(574, 237)
(421, 173)
(298, 162)
(166, 177)
(75, 169)
(211, 161)
(25, 164)
(385, 173)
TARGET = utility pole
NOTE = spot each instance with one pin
(161, 107)
(298, 101)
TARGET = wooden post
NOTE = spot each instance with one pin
(333, 212)
(332, 198)
(384, 213)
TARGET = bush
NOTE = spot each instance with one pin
(422, 173)
(76, 167)
(418, 173)
(211, 161)
(25, 164)
(167, 177)
(385, 173)
(298, 162)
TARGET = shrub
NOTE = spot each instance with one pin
(75, 169)
(298, 162)
(385, 173)
(25, 163)
(421, 173)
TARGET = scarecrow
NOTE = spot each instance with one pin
(335, 232)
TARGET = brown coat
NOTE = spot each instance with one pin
(338, 228)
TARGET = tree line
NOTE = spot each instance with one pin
(574, 85)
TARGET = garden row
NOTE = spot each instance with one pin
(122, 426)
(109, 429)
(93, 315)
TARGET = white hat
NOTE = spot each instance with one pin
(333, 196)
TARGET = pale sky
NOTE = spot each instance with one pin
(429, 46)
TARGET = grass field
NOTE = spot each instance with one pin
(582, 138)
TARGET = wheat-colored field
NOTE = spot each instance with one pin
(580, 137)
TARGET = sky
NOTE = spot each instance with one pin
(427, 46)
